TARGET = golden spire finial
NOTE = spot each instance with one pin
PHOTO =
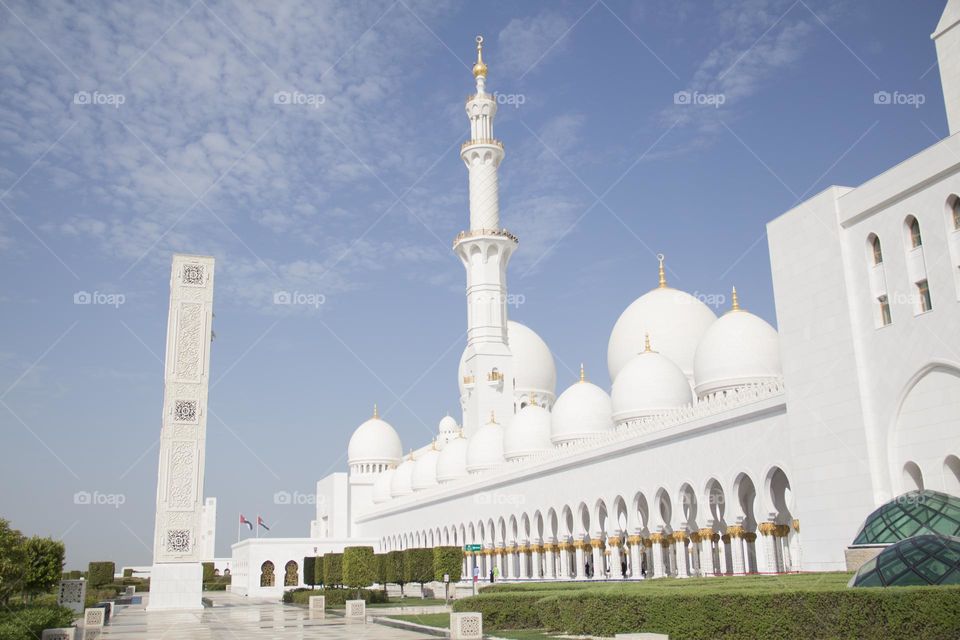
(663, 277)
(533, 397)
(646, 343)
(493, 418)
(460, 432)
(410, 457)
(479, 69)
(583, 375)
(734, 301)
(433, 445)
(376, 414)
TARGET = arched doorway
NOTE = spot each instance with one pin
(267, 579)
(291, 575)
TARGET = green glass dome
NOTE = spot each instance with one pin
(921, 560)
(911, 514)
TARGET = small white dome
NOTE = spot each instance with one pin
(452, 463)
(381, 486)
(650, 384)
(676, 320)
(425, 470)
(528, 433)
(448, 425)
(533, 367)
(375, 441)
(738, 349)
(583, 411)
(401, 484)
(485, 448)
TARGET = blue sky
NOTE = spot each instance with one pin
(132, 131)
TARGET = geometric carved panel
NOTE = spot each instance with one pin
(193, 274)
(185, 411)
(189, 341)
(178, 541)
(72, 594)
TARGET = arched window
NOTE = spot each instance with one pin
(912, 477)
(291, 575)
(915, 239)
(876, 250)
(956, 213)
(266, 574)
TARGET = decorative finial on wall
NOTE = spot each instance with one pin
(734, 301)
(376, 414)
(663, 276)
(480, 68)
(646, 343)
(583, 375)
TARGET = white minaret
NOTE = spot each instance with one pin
(947, 39)
(177, 575)
(485, 251)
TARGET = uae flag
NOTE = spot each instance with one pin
(261, 523)
(246, 522)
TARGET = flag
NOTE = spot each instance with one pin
(261, 523)
(246, 522)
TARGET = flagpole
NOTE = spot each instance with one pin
(238, 527)
(258, 526)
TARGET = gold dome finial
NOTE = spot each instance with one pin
(479, 69)
(493, 418)
(734, 301)
(460, 432)
(533, 397)
(410, 457)
(433, 445)
(583, 375)
(376, 414)
(663, 276)
(646, 343)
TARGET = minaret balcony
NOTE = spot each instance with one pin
(495, 379)
(482, 141)
(477, 233)
(468, 382)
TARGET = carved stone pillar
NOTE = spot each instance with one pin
(564, 548)
(680, 539)
(522, 552)
(694, 553)
(659, 543)
(636, 549)
(579, 569)
(536, 569)
(613, 543)
(768, 544)
(736, 532)
(550, 560)
(596, 546)
(708, 565)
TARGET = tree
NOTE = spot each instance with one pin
(12, 557)
(208, 572)
(394, 572)
(310, 571)
(44, 559)
(318, 571)
(100, 573)
(418, 566)
(332, 569)
(382, 570)
(359, 567)
(447, 561)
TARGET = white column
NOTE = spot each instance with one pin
(536, 570)
(767, 551)
(522, 559)
(657, 551)
(680, 539)
(564, 552)
(579, 571)
(550, 561)
(615, 569)
(176, 575)
(636, 548)
(707, 567)
(735, 531)
(597, 554)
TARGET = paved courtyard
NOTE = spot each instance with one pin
(239, 618)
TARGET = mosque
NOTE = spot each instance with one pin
(725, 446)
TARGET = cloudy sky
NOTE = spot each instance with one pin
(313, 148)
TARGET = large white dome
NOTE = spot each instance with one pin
(381, 486)
(675, 319)
(485, 448)
(650, 384)
(425, 470)
(583, 411)
(375, 441)
(533, 366)
(738, 349)
(452, 463)
(401, 482)
(528, 433)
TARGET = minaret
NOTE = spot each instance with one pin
(485, 250)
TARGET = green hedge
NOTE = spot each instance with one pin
(208, 571)
(907, 613)
(28, 622)
(100, 573)
(310, 570)
(393, 569)
(418, 565)
(447, 561)
(333, 569)
(359, 567)
(335, 597)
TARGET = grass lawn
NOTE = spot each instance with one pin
(439, 620)
(408, 602)
(724, 584)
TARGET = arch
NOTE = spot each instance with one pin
(567, 525)
(745, 494)
(663, 508)
(291, 574)
(621, 515)
(501, 532)
(583, 520)
(267, 578)
(914, 239)
(778, 494)
(446, 536)
(687, 500)
(912, 479)
(513, 530)
(951, 475)
(525, 526)
(538, 529)
(601, 516)
(642, 509)
(874, 250)
(553, 524)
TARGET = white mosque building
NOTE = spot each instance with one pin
(724, 446)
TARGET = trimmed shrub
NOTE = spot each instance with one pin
(335, 597)
(43, 564)
(393, 569)
(359, 567)
(28, 622)
(892, 613)
(447, 561)
(128, 573)
(208, 572)
(418, 566)
(74, 575)
(382, 569)
(310, 570)
(100, 573)
(333, 569)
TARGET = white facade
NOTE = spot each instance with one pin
(721, 436)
